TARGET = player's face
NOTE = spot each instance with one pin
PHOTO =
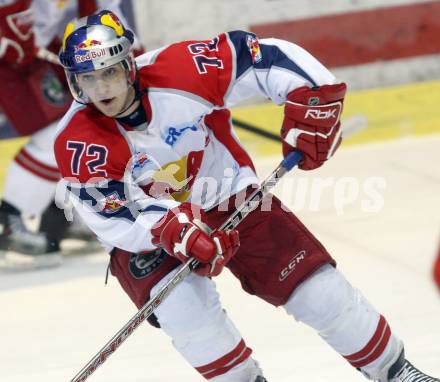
(107, 88)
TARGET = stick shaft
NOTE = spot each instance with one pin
(350, 126)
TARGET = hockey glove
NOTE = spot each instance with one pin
(182, 235)
(16, 36)
(312, 123)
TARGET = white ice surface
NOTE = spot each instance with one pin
(53, 321)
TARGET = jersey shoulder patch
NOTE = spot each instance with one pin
(90, 148)
(203, 68)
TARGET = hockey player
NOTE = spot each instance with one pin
(150, 162)
(29, 34)
(22, 76)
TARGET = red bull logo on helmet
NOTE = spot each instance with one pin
(115, 19)
(254, 48)
(112, 21)
(89, 56)
(87, 45)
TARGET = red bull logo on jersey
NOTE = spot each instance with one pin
(176, 178)
(254, 48)
(113, 203)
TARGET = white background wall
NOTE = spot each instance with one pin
(161, 22)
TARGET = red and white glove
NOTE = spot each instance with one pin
(16, 36)
(182, 235)
(312, 123)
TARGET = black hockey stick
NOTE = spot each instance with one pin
(250, 204)
(256, 130)
(350, 125)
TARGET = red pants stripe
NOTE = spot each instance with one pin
(227, 362)
(33, 165)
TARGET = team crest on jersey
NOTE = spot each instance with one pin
(52, 89)
(141, 265)
(113, 203)
(254, 48)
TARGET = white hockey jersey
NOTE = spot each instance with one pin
(122, 180)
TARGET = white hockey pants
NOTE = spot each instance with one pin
(32, 176)
(204, 335)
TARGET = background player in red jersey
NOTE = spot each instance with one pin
(134, 122)
(34, 96)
